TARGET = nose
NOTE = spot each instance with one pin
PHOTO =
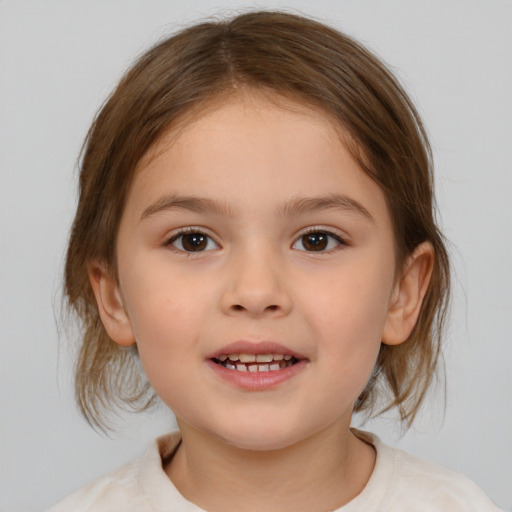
(256, 287)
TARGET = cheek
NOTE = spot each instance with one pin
(355, 304)
(167, 317)
(167, 351)
(350, 319)
(162, 302)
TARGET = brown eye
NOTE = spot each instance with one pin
(193, 242)
(317, 241)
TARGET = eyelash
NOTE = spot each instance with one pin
(191, 230)
(316, 230)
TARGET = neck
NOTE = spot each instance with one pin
(321, 473)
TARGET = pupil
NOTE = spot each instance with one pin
(315, 241)
(194, 242)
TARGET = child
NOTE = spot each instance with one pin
(255, 229)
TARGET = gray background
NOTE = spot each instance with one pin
(58, 61)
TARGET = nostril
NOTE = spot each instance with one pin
(239, 307)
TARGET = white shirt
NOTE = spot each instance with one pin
(399, 483)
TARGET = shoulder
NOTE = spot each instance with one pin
(126, 488)
(109, 492)
(410, 483)
(438, 486)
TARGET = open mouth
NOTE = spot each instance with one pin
(255, 362)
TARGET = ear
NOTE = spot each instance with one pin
(408, 295)
(110, 305)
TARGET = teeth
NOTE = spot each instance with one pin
(258, 358)
(254, 368)
(247, 358)
(243, 362)
(264, 358)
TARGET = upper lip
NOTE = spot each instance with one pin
(261, 347)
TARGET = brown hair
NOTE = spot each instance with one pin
(293, 56)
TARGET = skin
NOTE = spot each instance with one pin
(289, 447)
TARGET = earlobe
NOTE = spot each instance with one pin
(110, 305)
(408, 295)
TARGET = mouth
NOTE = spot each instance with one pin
(256, 366)
(254, 363)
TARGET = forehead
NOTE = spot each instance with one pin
(225, 110)
(253, 146)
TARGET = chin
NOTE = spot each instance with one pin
(261, 437)
(260, 443)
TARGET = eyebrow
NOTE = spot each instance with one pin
(333, 201)
(194, 204)
(296, 206)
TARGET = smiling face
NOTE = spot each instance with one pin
(256, 274)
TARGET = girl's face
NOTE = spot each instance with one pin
(253, 234)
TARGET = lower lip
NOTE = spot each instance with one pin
(257, 381)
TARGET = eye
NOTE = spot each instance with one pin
(192, 241)
(318, 241)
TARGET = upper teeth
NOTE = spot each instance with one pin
(252, 358)
(256, 362)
